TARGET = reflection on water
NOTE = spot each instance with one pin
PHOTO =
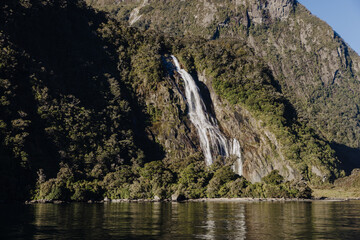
(203, 220)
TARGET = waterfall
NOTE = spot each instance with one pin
(236, 151)
(212, 141)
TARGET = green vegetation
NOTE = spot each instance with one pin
(88, 110)
(315, 70)
(346, 187)
(242, 79)
(63, 101)
(195, 181)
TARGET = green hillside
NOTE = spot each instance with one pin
(91, 108)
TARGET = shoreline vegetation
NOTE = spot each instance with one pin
(272, 188)
(224, 200)
(343, 189)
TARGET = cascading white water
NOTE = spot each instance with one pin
(212, 141)
(236, 151)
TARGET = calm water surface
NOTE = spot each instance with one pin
(203, 220)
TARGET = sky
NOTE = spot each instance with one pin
(342, 15)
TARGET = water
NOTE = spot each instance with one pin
(202, 220)
(212, 141)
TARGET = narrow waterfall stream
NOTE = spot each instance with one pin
(212, 140)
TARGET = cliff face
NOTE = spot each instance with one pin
(260, 11)
(266, 142)
(261, 151)
(315, 69)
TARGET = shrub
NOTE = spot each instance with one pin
(237, 188)
(217, 187)
(193, 180)
(84, 190)
(53, 190)
(273, 178)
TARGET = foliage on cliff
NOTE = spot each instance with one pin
(316, 70)
(74, 124)
(241, 78)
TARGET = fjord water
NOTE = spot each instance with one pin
(192, 220)
(212, 141)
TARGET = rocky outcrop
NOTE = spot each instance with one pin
(280, 8)
(260, 11)
(261, 152)
(202, 13)
(170, 127)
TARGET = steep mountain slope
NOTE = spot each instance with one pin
(316, 70)
(63, 103)
(93, 108)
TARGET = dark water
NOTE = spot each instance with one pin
(261, 220)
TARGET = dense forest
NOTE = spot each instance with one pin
(89, 110)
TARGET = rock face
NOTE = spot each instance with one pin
(314, 67)
(259, 11)
(280, 8)
(261, 152)
(171, 128)
(177, 197)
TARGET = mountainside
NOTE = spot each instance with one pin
(315, 69)
(93, 108)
